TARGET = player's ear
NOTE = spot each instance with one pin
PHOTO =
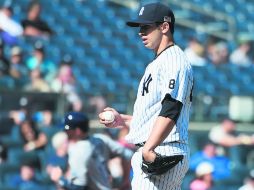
(165, 27)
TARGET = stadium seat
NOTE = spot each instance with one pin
(5, 169)
(7, 82)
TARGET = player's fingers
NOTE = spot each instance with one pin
(111, 109)
(101, 116)
(105, 122)
(110, 125)
(108, 109)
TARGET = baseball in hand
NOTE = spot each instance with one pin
(109, 116)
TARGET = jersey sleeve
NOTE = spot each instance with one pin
(176, 81)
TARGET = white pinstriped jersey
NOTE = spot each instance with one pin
(169, 73)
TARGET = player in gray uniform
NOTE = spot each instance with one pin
(89, 155)
(159, 124)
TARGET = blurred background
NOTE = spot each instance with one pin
(63, 55)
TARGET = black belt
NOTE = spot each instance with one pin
(143, 143)
(140, 144)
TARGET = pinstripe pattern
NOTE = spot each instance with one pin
(170, 65)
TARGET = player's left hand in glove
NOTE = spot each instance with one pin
(160, 165)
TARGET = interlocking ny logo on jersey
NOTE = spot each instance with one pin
(146, 83)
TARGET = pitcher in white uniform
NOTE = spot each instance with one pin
(160, 119)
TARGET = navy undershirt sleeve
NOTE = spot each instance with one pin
(171, 108)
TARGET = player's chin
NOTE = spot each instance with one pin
(148, 45)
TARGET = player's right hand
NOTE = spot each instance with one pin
(116, 123)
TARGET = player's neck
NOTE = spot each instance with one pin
(165, 43)
(163, 47)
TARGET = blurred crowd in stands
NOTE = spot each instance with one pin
(34, 71)
(219, 52)
(33, 146)
(225, 159)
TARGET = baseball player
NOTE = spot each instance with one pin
(89, 155)
(159, 124)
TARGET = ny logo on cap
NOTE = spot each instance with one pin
(141, 11)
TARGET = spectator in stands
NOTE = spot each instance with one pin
(21, 112)
(38, 60)
(220, 163)
(218, 52)
(4, 62)
(225, 135)
(33, 24)
(10, 29)
(57, 159)
(59, 156)
(240, 55)
(18, 70)
(65, 82)
(37, 83)
(195, 53)
(204, 179)
(46, 121)
(44, 118)
(25, 180)
(249, 182)
(32, 138)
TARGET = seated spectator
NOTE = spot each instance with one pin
(37, 83)
(225, 135)
(33, 24)
(46, 121)
(4, 62)
(21, 112)
(44, 118)
(195, 53)
(65, 82)
(32, 138)
(240, 55)
(249, 182)
(38, 60)
(218, 52)
(10, 29)
(17, 69)
(204, 179)
(25, 180)
(59, 157)
(55, 159)
(220, 163)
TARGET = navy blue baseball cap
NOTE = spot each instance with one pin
(154, 13)
(74, 120)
